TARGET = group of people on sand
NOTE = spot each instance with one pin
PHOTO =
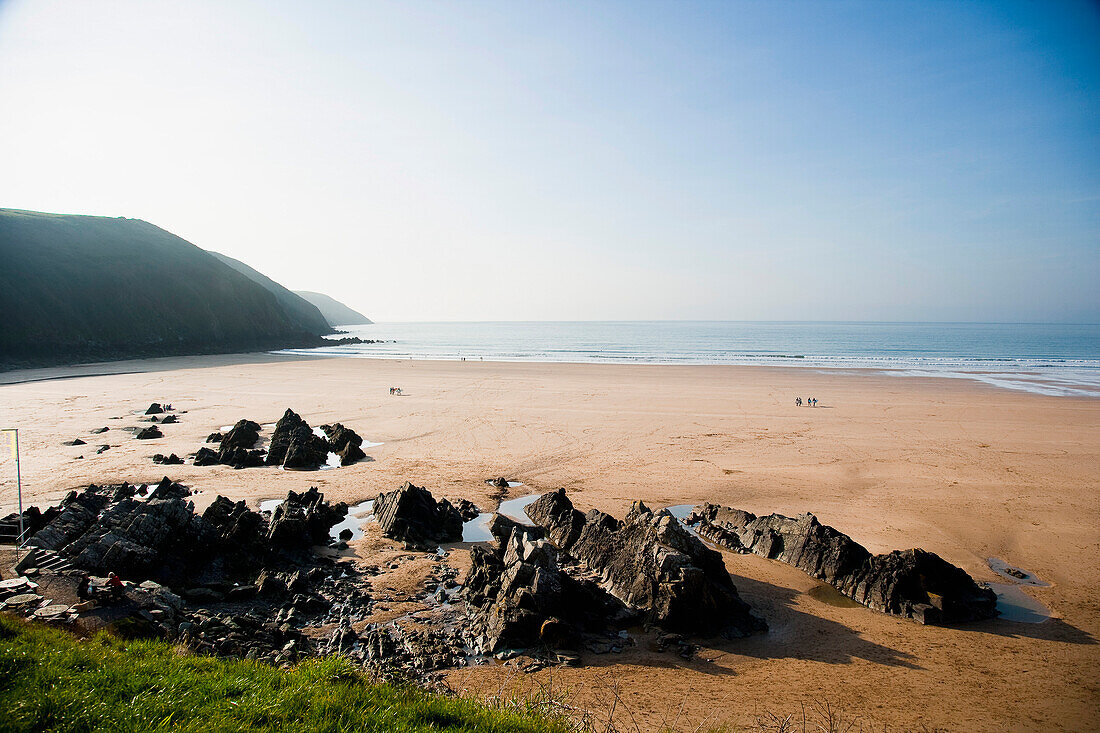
(810, 402)
(395, 390)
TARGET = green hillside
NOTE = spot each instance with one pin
(87, 288)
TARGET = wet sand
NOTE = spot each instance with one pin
(961, 469)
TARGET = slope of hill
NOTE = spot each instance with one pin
(297, 307)
(87, 288)
(335, 312)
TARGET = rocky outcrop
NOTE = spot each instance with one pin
(168, 460)
(149, 433)
(467, 509)
(519, 597)
(244, 434)
(651, 563)
(344, 442)
(911, 583)
(161, 538)
(294, 444)
(413, 515)
(303, 520)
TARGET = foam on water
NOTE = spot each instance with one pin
(1049, 359)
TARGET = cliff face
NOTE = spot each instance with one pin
(335, 312)
(86, 288)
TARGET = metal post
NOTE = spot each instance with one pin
(19, 488)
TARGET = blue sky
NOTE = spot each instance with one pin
(471, 161)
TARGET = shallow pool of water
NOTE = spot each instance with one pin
(1016, 605)
(477, 529)
(1015, 574)
(358, 515)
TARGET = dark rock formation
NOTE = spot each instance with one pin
(652, 564)
(467, 509)
(155, 409)
(519, 597)
(206, 457)
(242, 435)
(412, 514)
(74, 441)
(303, 520)
(214, 438)
(294, 445)
(169, 419)
(102, 449)
(148, 433)
(345, 442)
(168, 460)
(500, 482)
(910, 583)
(97, 431)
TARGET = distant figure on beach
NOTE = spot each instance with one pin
(391, 390)
(813, 401)
(798, 402)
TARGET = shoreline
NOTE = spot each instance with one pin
(198, 361)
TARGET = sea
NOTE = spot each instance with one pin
(1049, 359)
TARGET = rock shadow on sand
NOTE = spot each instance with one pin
(795, 634)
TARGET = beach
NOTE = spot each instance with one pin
(957, 467)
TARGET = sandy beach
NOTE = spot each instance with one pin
(961, 469)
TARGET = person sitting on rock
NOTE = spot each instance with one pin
(82, 590)
(114, 586)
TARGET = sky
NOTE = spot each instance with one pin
(883, 161)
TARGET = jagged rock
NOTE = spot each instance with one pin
(412, 514)
(169, 460)
(168, 419)
(168, 489)
(555, 512)
(214, 438)
(243, 434)
(294, 445)
(206, 457)
(345, 442)
(102, 449)
(501, 528)
(241, 457)
(467, 510)
(154, 409)
(98, 431)
(350, 453)
(148, 433)
(74, 441)
(499, 482)
(303, 520)
(519, 597)
(652, 564)
(309, 452)
(910, 583)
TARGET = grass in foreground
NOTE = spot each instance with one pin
(52, 681)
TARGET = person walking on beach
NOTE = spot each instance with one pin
(798, 402)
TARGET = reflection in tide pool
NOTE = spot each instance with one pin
(477, 529)
(358, 515)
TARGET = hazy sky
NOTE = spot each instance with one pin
(596, 160)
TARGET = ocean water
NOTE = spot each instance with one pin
(1051, 359)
